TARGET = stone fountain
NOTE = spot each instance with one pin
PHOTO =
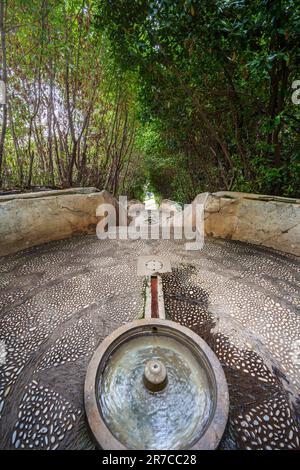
(153, 384)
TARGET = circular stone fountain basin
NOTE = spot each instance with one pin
(153, 384)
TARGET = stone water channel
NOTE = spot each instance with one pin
(59, 300)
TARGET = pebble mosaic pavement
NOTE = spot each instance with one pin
(58, 301)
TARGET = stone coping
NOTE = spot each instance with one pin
(33, 219)
(262, 220)
(257, 197)
(48, 193)
(217, 420)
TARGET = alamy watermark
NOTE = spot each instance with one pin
(2, 92)
(137, 222)
(3, 353)
(296, 93)
(295, 352)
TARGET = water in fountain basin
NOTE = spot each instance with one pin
(140, 419)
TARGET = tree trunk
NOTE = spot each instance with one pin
(4, 79)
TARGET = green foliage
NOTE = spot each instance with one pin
(184, 96)
(72, 110)
(215, 77)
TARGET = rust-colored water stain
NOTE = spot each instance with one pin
(154, 297)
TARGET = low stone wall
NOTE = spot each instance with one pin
(31, 219)
(262, 220)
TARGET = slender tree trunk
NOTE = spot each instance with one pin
(16, 145)
(4, 78)
(30, 154)
(50, 136)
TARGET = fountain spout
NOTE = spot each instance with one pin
(155, 376)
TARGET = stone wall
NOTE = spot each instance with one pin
(31, 219)
(262, 220)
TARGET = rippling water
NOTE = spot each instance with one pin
(171, 419)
